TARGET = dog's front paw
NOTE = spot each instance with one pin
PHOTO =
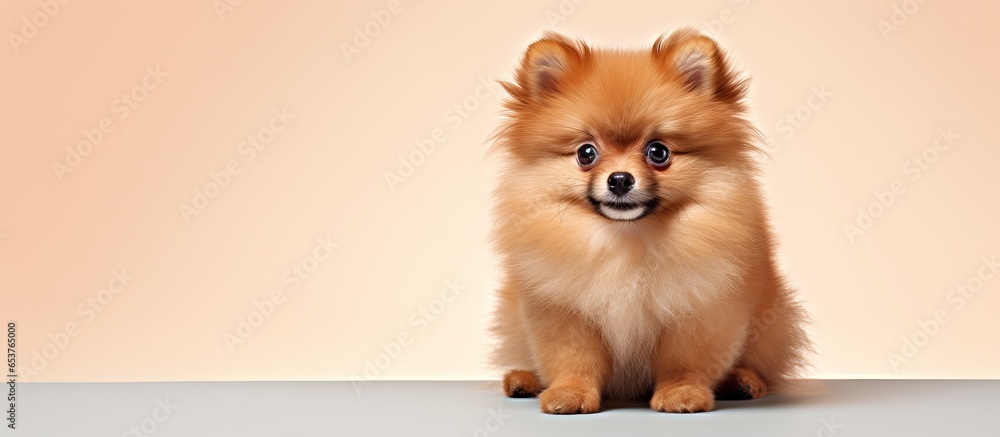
(521, 384)
(570, 400)
(741, 384)
(685, 398)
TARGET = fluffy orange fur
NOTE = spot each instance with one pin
(681, 305)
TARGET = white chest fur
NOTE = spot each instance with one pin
(632, 302)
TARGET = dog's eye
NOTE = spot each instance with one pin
(657, 153)
(586, 155)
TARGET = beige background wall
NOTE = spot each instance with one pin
(359, 265)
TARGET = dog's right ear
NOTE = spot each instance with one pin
(699, 65)
(546, 65)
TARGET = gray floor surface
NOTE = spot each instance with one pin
(477, 408)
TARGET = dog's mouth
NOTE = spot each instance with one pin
(623, 211)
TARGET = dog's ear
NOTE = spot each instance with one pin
(546, 64)
(699, 64)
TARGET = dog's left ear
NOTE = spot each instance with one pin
(700, 65)
(546, 65)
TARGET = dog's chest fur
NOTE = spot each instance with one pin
(632, 302)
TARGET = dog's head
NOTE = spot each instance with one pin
(624, 135)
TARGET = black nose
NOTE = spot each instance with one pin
(620, 182)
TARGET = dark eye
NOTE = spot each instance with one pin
(657, 153)
(586, 155)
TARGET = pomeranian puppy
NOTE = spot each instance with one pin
(637, 258)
